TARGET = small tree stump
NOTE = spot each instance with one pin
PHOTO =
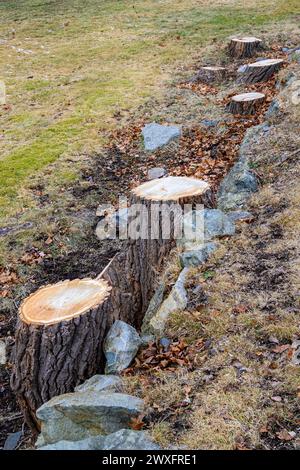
(59, 338)
(244, 47)
(261, 71)
(246, 103)
(210, 74)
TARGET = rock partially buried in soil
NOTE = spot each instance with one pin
(153, 306)
(100, 383)
(237, 187)
(120, 347)
(125, 439)
(176, 301)
(198, 255)
(156, 136)
(236, 216)
(155, 173)
(79, 415)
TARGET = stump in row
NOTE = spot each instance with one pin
(244, 47)
(61, 327)
(245, 103)
(261, 71)
(211, 74)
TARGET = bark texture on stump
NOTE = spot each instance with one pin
(244, 47)
(134, 271)
(261, 71)
(59, 338)
(210, 74)
(246, 103)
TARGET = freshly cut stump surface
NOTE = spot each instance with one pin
(59, 338)
(261, 71)
(244, 47)
(246, 103)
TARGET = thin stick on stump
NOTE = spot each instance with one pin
(261, 71)
(244, 47)
(210, 74)
(59, 338)
(138, 265)
(246, 103)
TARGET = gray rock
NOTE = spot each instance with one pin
(12, 440)
(2, 352)
(216, 224)
(237, 187)
(176, 301)
(100, 383)
(155, 173)
(153, 306)
(165, 343)
(146, 339)
(125, 439)
(202, 226)
(198, 255)
(156, 136)
(120, 347)
(273, 110)
(210, 123)
(235, 216)
(79, 415)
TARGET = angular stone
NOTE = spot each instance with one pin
(237, 187)
(2, 352)
(153, 306)
(100, 383)
(78, 415)
(125, 439)
(198, 255)
(155, 173)
(176, 301)
(120, 347)
(217, 224)
(156, 136)
(235, 216)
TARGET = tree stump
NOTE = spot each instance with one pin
(246, 103)
(261, 71)
(210, 74)
(59, 338)
(244, 47)
(139, 263)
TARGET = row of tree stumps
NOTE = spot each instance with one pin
(61, 327)
(260, 71)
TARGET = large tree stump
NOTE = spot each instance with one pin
(58, 341)
(210, 74)
(261, 71)
(136, 268)
(244, 47)
(246, 103)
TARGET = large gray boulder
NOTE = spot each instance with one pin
(176, 301)
(79, 415)
(100, 383)
(197, 254)
(237, 187)
(156, 136)
(125, 439)
(120, 347)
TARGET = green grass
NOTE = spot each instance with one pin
(89, 59)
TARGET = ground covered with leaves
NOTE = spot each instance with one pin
(56, 240)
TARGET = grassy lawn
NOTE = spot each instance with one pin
(70, 66)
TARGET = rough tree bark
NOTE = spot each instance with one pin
(246, 103)
(210, 74)
(58, 341)
(244, 47)
(62, 327)
(261, 71)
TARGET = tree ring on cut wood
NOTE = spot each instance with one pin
(246, 103)
(63, 301)
(244, 46)
(59, 337)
